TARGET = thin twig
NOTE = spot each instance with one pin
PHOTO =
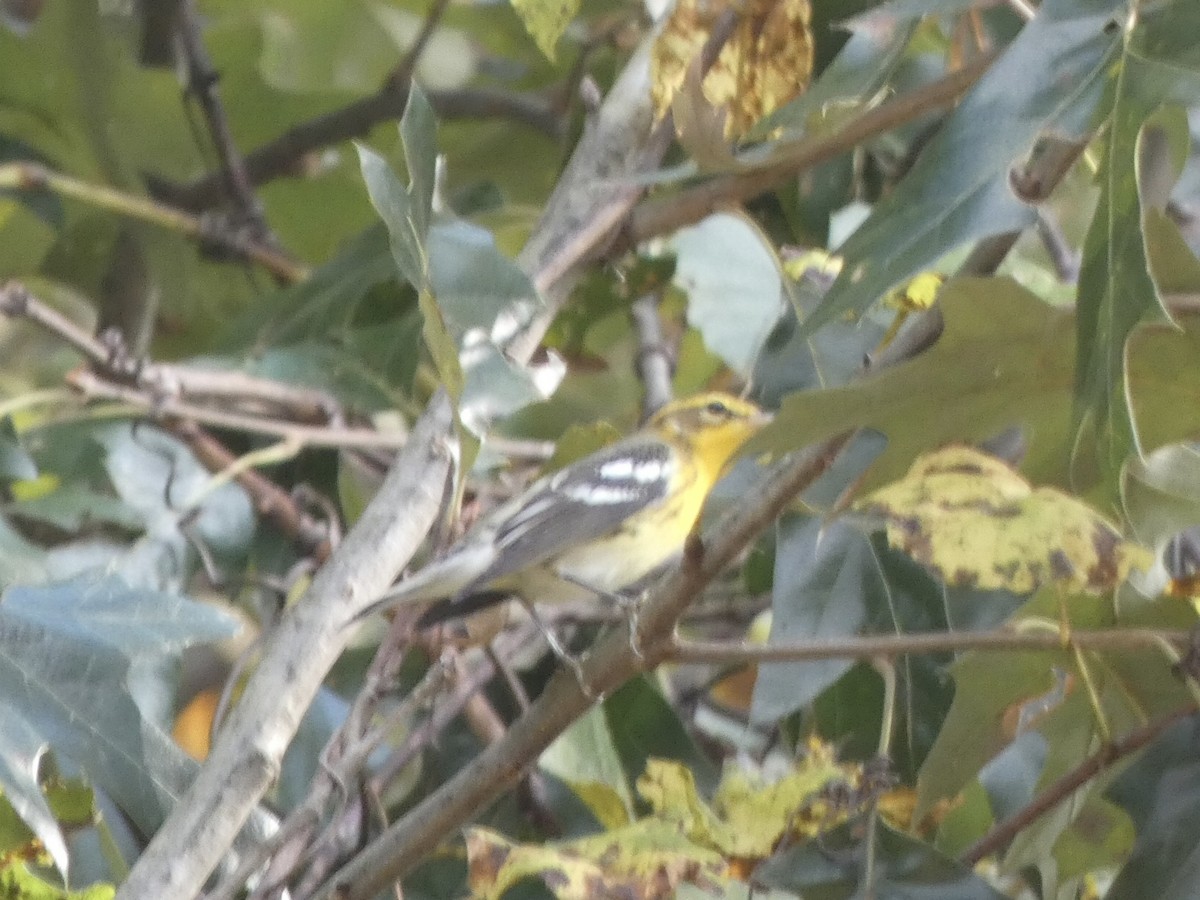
(278, 157)
(202, 83)
(30, 176)
(17, 302)
(1047, 166)
(298, 828)
(401, 76)
(264, 396)
(93, 386)
(156, 381)
(593, 200)
(653, 359)
(1065, 258)
(892, 645)
(270, 501)
(662, 215)
(480, 671)
(1034, 183)
(1065, 786)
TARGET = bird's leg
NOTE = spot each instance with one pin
(558, 649)
(629, 604)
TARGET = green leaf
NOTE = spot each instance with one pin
(823, 574)
(20, 561)
(643, 725)
(418, 134)
(406, 223)
(1161, 792)
(1161, 493)
(546, 20)
(74, 505)
(958, 190)
(396, 207)
(1116, 290)
(328, 302)
(859, 71)
(904, 9)
(733, 283)
(585, 757)
(1100, 833)
(21, 752)
(18, 882)
(69, 654)
(999, 696)
(792, 361)
(900, 866)
(15, 462)
(1005, 358)
(159, 479)
(485, 298)
(476, 285)
(1173, 266)
(981, 719)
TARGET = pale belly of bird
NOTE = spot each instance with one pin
(624, 559)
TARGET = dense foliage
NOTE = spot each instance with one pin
(934, 640)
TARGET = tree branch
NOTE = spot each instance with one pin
(146, 402)
(279, 157)
(663, 215)
(1065, 786)
(202, 84)
(247, 753)
(654, 357)
(724, 653)
(29, 176)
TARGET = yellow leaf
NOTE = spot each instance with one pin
(916, 294)
(685, 839)
(647, 860)
(976, 522)
(765, 63)
(34, 488)
(750, 815)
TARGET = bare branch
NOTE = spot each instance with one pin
(154, 405)
(310, 636)
(30, 176)
(893, 645)
(280, 156)
(202, 84)
(654, 357)
(401, 76)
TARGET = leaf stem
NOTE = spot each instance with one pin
(1065, 786)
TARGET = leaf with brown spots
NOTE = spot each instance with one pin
(977, 523)
(643, 861)
(765, 63)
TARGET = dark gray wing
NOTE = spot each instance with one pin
(587, 500)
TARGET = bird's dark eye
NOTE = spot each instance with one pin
(717, 408)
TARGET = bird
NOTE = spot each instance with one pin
(598, 526)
